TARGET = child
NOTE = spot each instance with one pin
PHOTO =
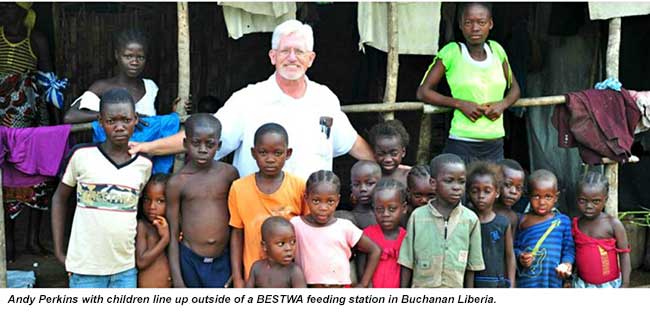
(442, 247)
(325, 242)
(389, 201)
(511, 190)
(269, 192)
(483, 184)
(419, 187)
(153, 237)
(277, 270)
(131, 53)
(543, 246)
(197, 206)
(364, 176)
(601, 241)
(101, 251)
(389, 140)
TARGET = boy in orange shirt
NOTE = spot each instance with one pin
(253, 198)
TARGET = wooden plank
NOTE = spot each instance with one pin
(433, 109)
(392, 64)
(613, 49)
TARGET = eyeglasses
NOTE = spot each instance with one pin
(297, 52)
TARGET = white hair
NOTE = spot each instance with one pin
(293, 27)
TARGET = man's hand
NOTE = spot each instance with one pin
(494, 110)
(136, 147)
(472, 110)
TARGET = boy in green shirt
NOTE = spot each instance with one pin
(442, 247)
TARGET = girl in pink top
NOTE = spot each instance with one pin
(389, 202)
(324, 243)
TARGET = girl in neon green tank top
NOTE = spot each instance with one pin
(478, 74)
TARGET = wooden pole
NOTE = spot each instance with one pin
(433, 109)
(182, 9)
(183, 56)
(422, 155)
(392, 64)
(611, 170)
(3, 238)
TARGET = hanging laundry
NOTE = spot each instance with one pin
(609, 83)
(159, 126)
(255, 17)
(30, 158)
(607, 10)
(642, 99)
(600, 123)
(52, 88)
(418, 26)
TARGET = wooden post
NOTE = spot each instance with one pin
(424, 142)
(182, 9)
(611, 170)
(3, 240)
(392, 64)
(183, 56)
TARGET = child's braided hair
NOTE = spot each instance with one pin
(323, 176)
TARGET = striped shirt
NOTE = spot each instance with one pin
(16, 57)
(557, 248)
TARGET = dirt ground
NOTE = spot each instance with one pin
(51, 274)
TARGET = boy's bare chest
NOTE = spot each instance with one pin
(274, 278)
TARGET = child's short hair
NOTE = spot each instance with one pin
(376, 169)
(593, 178)
(388, 183)
(272, 223)
(464, 6)
(511, 164)
(323, 176)
(127, 36)
(418, 171)
(115, 95)
(209, 104)
(541, 174)
(159, 178)
(390, 128)
(483, 168)
(444, 159)
(273, 128)
(200, 120)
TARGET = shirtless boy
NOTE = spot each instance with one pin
(197, 204)
(278, 269)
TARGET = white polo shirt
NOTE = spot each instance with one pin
(264, 102)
